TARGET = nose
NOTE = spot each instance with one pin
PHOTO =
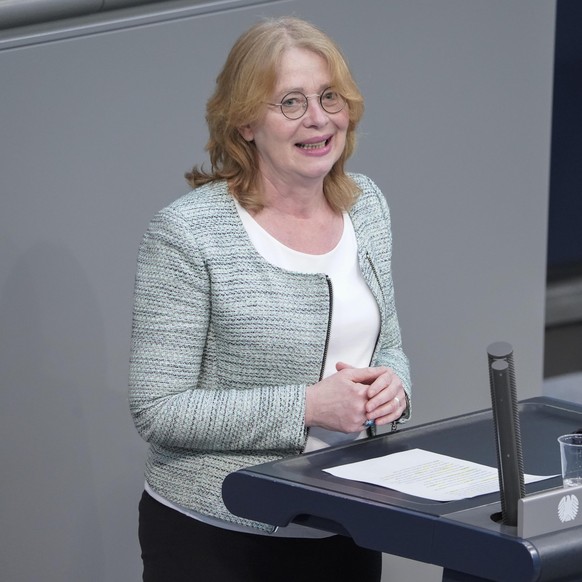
(315, 114)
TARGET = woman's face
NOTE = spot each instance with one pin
(300, 151)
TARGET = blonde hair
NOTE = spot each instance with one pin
(245, 83)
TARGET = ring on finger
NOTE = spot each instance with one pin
(397, 402)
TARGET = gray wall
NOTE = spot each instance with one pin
(96, 131)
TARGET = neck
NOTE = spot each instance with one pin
(300, 201)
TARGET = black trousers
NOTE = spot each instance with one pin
(177, 548)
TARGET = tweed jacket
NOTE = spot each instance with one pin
(224, 343)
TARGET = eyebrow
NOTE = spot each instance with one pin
(284, 92)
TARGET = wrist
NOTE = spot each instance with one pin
(309, 406)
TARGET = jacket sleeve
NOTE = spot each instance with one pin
(170, 404)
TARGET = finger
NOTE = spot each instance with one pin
(386, 403)
(387, 413)
(387, 380)
(367, 375)
(398, 402)
(342, 366)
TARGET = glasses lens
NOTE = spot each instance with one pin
(332, 101)
(293, 105)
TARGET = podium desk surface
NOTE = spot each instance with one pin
(462, 536)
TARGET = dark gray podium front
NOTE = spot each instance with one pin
(461, 536)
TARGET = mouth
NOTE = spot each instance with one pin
(314, 145)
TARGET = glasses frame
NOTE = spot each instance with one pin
(307, 98)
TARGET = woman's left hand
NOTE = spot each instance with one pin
(386, 396)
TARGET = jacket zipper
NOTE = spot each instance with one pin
(369, 259)
(328, 333)
(327, 336)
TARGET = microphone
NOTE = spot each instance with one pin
(507, 429)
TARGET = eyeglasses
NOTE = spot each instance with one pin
(294, 104)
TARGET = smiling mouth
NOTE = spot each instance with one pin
(314, 146)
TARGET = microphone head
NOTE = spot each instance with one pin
(499, 350)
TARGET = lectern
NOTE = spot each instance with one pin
(464, 537)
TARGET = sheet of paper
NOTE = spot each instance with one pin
(425, 474)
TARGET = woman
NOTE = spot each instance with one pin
(264, 318)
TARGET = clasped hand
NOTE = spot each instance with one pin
(345, 400)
